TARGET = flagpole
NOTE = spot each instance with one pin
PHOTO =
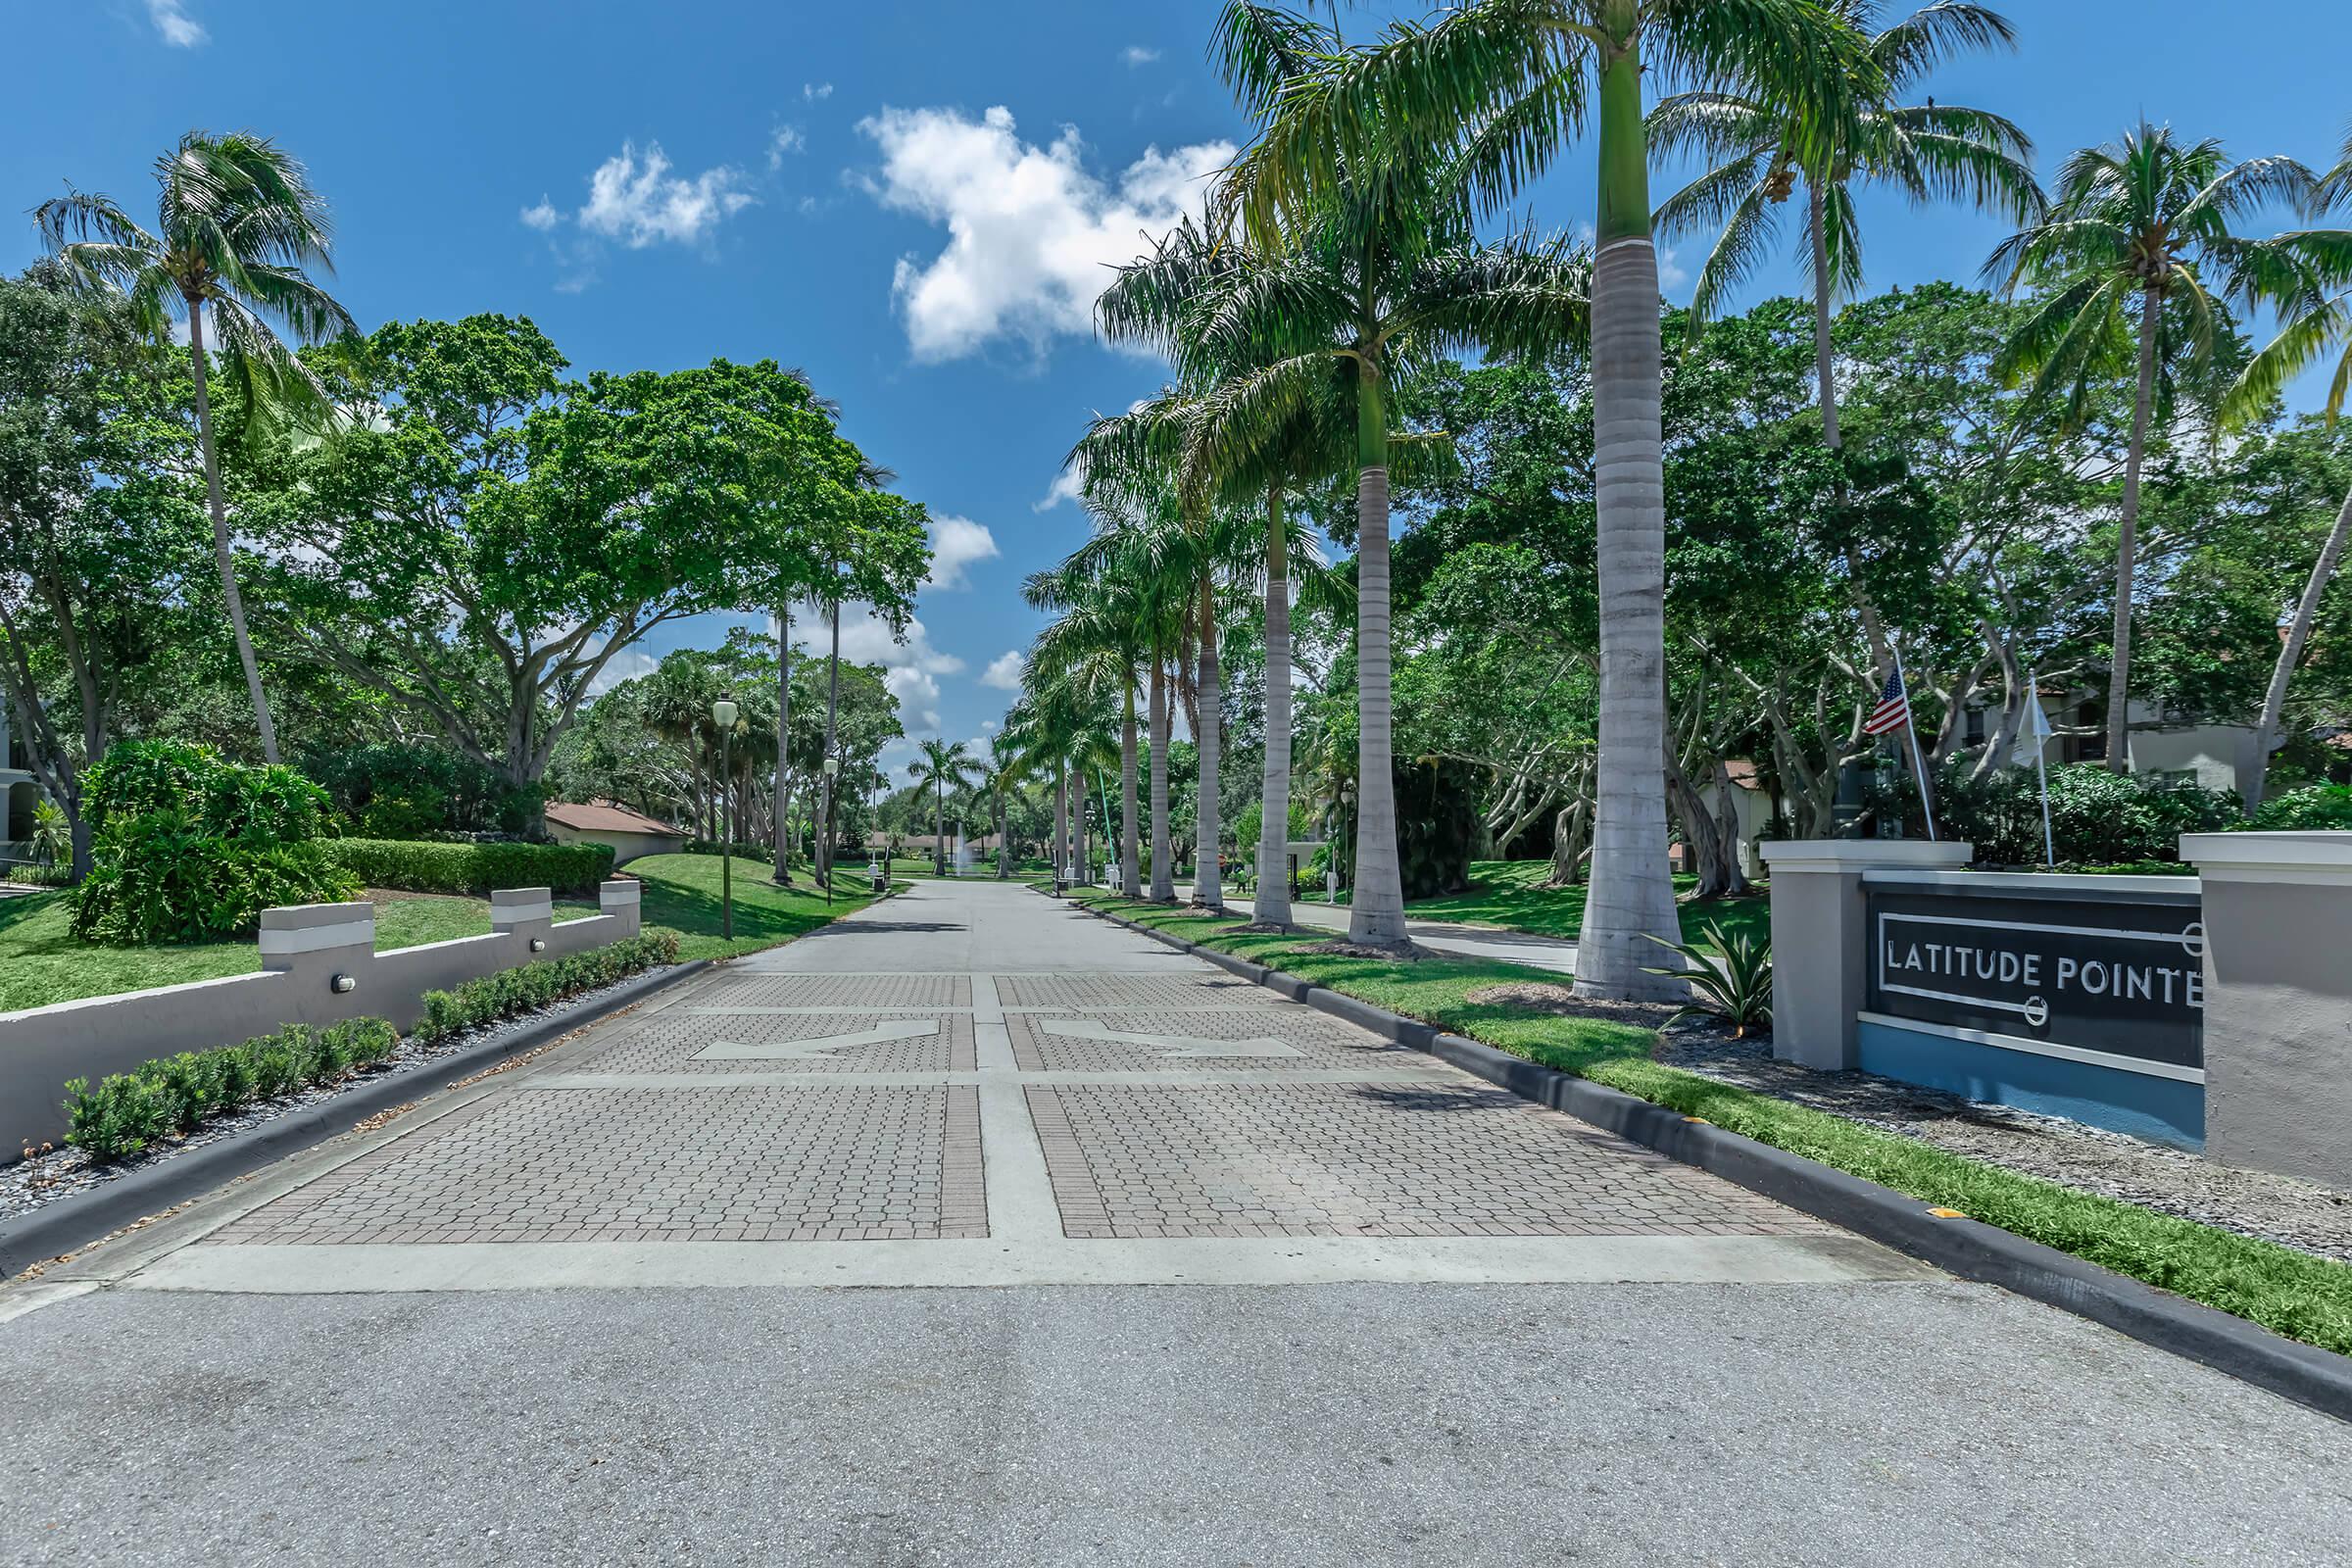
(1918, 757)
(2039, 728)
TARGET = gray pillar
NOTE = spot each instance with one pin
(526, 915)
(1821, 941)
(2277, 1001)
(327, 953)
(619, 898)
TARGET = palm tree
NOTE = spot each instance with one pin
(944, 766)
(2306, 276)
(1103, 641)
(1381, 270)
(1491, 92)
(1760, 146)
(1001, 775)
(782, 810)
(2131, 225)
(236, 223)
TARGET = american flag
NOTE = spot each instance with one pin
(1893, 710)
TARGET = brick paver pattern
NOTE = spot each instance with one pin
(879, 991)
(1085, 992)
(1320, 1040)
(1314, 1159)
(820, 1163)
(673, 1042)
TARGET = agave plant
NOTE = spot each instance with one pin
(1730, 978)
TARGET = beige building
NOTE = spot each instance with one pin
(631, 834)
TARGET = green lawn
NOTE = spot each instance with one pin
(1511, 894)
(2290, 1293)
(41, 961)
(682, 893)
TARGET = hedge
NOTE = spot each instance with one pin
(414, 866)
(174, 1096)
(494, 996)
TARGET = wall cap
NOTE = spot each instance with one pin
(2314, 856)
(522, 896)
(2053, 884)
(303, 916)
(1861, 855)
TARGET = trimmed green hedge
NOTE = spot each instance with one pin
(174, 1096)
(509, 991)
(413, 867)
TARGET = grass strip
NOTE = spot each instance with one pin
(2287, 1291)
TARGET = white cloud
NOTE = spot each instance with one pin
(627, 665)
(1672, 273)
(955, 543)
(641, 204)
(175, 26)
(1033, 236)
(817, 92)
(1003, 672)
(1068, 485)
(910, 667)
(1136, 54)
(787, 140)
(542, 217)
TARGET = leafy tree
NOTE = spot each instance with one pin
(2117, 265)
(237, 225)
(482, 546)
(2307, 275)
(100, 529)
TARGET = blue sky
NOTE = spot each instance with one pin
(913, 202)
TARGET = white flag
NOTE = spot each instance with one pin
(2030, 735)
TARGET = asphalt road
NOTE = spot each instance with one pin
(1797, 1404)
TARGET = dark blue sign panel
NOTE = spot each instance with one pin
(2122, 975)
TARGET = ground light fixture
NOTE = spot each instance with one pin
(722, 714)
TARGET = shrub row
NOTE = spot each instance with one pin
(509, 991)
(174, 1096)
(414, 866)
(2315, 808)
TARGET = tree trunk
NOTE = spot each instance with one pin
(222, 553)
(2291, 654)
(829, 782)
(1376, 914)
(1631, 895)
(1824, 358)
(1208, 890)
(2126, 544)
(783, 811)
(1130, 880)
(1272, 906)
(1569, 832)
(1061, 820)
(1163, 882)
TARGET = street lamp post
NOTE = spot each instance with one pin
(1347, 826)
(722, 714)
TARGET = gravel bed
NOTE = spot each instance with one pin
(63, 1172)
(2091, 1159)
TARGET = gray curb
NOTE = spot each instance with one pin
(1966, 1248)
(75, 1223)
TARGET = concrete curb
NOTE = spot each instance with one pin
(75, 1223)
(1966, 1248)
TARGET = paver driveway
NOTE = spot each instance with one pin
(974, 1230)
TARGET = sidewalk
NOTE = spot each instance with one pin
(1454, 937)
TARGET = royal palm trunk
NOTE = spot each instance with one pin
(1376, 918)
(1272, 906)
(1131, 882)
(1825, 368)
(783, 822)
(1163, 882)
(1632, 892)
(1208, 890)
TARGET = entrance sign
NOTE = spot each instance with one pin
(2121, 975)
